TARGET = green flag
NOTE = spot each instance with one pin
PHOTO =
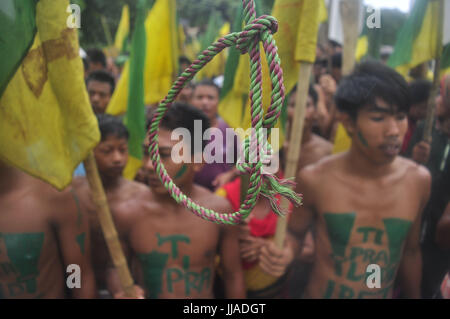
(135, 116)
(416, 41)
(18, 20)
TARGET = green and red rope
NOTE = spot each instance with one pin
(256, 146)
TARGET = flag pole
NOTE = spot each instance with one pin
(107, 225)
(437, 70)
(295, 142)
(349, 10)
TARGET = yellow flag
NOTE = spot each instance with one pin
(123, 29)
(161, 61)
(47, 126)
(192, 49)
(216, 66)
(416, 41)
(342, 141)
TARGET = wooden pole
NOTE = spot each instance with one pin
(295, 142)
(437, 70)
(349, 10)
(107, 224)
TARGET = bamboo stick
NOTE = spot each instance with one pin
(295, 142)
(107, 225)
(349, 10)
(437, 68)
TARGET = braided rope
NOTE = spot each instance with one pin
(246, 41)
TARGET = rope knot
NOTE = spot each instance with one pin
(271, 185)
(255, 31)
(250, 156)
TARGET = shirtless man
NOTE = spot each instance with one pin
(124, 196)
(42, 232)
(173, 250)
(366, 203)
(255, 248)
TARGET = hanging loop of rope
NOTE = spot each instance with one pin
(256, 146)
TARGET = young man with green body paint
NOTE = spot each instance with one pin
(42, 232)
(366, 203)
(124, 197)
(173, 251)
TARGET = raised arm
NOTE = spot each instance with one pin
(443, 229)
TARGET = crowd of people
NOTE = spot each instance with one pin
(383, 202)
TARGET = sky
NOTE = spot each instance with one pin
(402, 5)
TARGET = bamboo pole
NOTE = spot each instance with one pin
(107, 225)
(437, 68)
(349, 10)
(295, 142)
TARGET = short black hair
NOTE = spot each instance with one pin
(184, 59)
(336, 60)
(208, 82)
(85, 63)
(111, 126)
(102, 76)
(419, 91)
(183, 115)
(96, 56)
(368, 81)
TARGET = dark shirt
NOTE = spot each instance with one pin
(210, 171)
(436, 262)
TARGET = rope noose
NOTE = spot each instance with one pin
(246, 41)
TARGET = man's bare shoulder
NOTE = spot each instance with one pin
(414, 172)
(320, 169)
(210, 200)
(59, 205)
(135, 190)
(135, 198)
(81, 186)
(323, 144)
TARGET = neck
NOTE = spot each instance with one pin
(214, 122)
(360, 164)
(110, 183)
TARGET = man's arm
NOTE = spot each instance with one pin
(410, 269)
(274, 260)
(233, 275)
(72, 228)
(443, 229)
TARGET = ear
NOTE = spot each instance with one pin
(348, 123)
